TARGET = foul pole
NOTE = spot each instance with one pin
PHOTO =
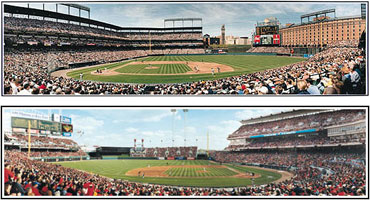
(150, 44)
(29, 139)
(207, 144)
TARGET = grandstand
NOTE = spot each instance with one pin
(39, 31)
(301, 129)
(325, 149)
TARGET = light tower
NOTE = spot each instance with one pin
(173, 125)
(185, 111)
(223, 41)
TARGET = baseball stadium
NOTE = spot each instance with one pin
(48, 52)
(296, 152)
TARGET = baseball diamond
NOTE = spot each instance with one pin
(181, 173)
(184, 67)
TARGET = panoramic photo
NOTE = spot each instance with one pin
(116, 151)
(204, 48)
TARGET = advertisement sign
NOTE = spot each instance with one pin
(56, 117)
(67, 128)
(44, 132)
(190, 158)
(67, 134)
(171, 158)
(33, 131)
(257, 39)
(160, 158)
(19, 130)
(22, 114)
(284, 133)
(66, 120)
(276, 39)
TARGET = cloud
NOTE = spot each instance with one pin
(131, 130)
(6, 121)
(254, 113)
(145, 116)
(218, 133)
(86, 124)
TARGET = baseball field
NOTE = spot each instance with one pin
(179, 69)
(197, 173)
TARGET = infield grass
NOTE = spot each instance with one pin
(242, 64)
(117, 169)
(158, 69)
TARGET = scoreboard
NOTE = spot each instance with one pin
(267, 30)
(35, 124)
(266, 40)
(41, 126)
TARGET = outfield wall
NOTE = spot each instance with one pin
(221, 54)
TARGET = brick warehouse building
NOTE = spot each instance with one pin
(322, 31)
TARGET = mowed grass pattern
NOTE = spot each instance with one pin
(117, 169)
(242, 64)
(199, 172)
(161, 69)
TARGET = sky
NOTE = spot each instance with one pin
(120, 126)
(239, 18)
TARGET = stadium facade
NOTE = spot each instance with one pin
(323, 33)
(322, 30)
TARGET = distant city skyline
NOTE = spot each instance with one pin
(239, 17)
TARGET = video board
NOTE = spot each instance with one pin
(67, 128)
(267, 30)
(266, 40)
(36, 124)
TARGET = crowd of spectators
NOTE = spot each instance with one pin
(311, 121)
(53, 154)
(279, 50)
(344, 43)
(344, 176)
(323, 174)
(334, 71)
(50, 41)
(53, 27)
(45, 141)
(171, 152)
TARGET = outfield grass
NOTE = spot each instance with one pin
(161, 69)
(242, 64)
(117, 169)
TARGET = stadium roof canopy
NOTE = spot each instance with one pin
(322, 12)
(76, 6)
(55, 15)
(326, 20)
(183, 19)
(282, 115)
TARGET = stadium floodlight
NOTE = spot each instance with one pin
(173, 125)
(185, 111)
